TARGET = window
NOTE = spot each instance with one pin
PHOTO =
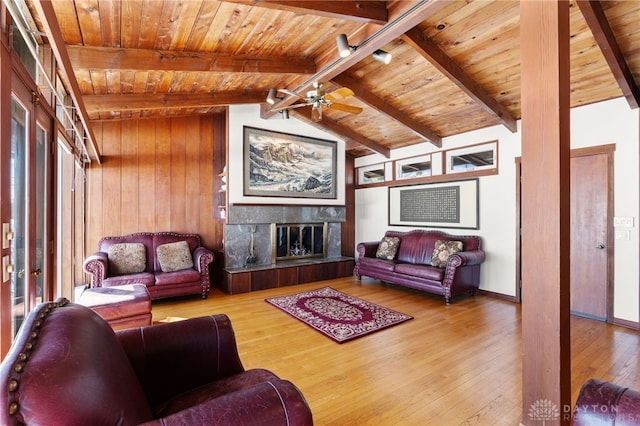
(473, 158)
(21, 48)
(414, 167)
(372, 174)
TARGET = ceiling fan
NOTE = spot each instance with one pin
(318, 99)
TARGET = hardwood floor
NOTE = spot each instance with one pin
(457, 364)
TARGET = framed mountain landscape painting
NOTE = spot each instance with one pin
(284, 165)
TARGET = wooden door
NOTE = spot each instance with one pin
(590, 251)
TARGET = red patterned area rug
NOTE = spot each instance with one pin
(337, 315)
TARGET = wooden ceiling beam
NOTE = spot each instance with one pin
(371, 12)
(447, 66)
(333, 127)
(364, 95)
(601, 30)
(149, 101)
(113, 58)
(369, 38)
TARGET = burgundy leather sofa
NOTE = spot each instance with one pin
(68, 367)
(602, 403)
(411, 267)
(192, 280)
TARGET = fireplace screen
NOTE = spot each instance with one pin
(294, 241)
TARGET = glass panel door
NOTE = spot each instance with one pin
(29, 235)
(18, 221)
(65, 220)
(40, 208)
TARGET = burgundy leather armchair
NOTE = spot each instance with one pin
(603, 403)
(67, 367)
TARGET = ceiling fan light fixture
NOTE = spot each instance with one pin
(316, 112)
(382, 56)
(344, 49)
(272, 97)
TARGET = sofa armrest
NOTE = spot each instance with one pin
(367, 248)
(464, 258)
(202, 257)
(276, 402)
(97, 265)
(462, 273)
(174, 357)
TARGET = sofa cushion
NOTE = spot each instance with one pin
(442, 250)
(375, 263)
(421, 271)
(127, 258)
(388, 248)
(177, 277)
(416, 247)
(212, 390)
(174, 256)
(145, 278)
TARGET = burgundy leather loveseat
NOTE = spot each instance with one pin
(411, 265)
(168, 263)
(68, 367)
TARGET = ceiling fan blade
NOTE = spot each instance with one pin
(289, 92)
(341, 93)
(346, 108)
(292, 106)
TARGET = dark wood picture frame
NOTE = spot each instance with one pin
(284, 165)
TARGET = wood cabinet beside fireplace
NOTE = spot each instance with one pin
(281, 274)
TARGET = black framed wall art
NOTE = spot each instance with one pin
(436, 205)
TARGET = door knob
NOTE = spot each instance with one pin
(600, 246)
(37, 272)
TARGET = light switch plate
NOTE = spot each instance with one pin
(624, 222)
(5, 231)
(623, 234)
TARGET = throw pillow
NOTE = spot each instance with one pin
(127, 258)
(442, 249)
(174, 256)
(388, 248)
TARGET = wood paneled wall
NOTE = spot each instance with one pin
(156, 175)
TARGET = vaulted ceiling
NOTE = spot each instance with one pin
(455, 66)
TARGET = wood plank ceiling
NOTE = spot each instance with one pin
(455, 66)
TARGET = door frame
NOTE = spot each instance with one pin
(608, 150)
(40, 113)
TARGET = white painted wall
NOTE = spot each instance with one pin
(611, 122)
(599, 124)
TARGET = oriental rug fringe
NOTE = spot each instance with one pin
(338, 316)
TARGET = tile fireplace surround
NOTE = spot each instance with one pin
(242, 219)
